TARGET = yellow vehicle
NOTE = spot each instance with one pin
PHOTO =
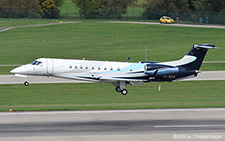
(166, 19)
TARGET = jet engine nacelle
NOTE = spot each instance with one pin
(160, 70)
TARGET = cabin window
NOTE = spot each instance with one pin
(76, 67)
(86, 67)
(111, 68)
(131, 69)
(81, 67)
(92, 67)
(70, 66)
(118, 69)
(99, 68)
(105, 68)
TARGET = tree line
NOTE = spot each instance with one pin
(107, 9)
(30, 8)
(155, 8)
(115, 8)
(111, 9)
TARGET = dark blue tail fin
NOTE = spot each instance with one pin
(198, 51)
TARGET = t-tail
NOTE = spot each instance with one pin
(196, 56)
(190, 64)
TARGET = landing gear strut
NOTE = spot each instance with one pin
(26, 83)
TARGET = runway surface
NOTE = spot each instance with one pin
(11, 79)
(180, 25)
(110, 125)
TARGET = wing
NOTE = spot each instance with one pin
(132, 81)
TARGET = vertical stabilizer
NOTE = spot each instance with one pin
(199, 52)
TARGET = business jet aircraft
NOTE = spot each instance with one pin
(118, 73)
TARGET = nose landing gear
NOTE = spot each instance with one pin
(26, 83)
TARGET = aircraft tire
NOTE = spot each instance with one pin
(124, 92)
(26, 83)
(118, 89)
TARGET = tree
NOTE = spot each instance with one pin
(47, 9)
(102, 8)
(210, 6)
(154, 9)
(30, 8)
(191, 5)
(59, 3)
(19, 9)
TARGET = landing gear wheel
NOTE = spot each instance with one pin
(118, 89)
(26, 83)
(124, 92)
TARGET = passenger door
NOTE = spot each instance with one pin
(50, 64)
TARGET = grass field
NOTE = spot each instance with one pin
(68, 8)
(19, 22)
(103, 96)
(106, 41)
(112, 42)
(6, 69)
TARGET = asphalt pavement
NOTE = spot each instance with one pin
(111, 125)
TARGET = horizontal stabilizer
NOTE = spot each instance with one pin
(206, 46)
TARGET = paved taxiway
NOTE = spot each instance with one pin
(132, 125)
(11, 79)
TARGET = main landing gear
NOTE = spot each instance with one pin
(123, 92)
(121, 87)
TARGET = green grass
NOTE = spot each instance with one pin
(68, 9)
(212, 66)
(107, 41)
(19, 22)
(103, 96)
(6, 69)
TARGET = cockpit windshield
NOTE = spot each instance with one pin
(36, 62)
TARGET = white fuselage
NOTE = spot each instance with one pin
(81, 69)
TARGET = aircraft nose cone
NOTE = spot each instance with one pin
(16, 70)
(13, 71)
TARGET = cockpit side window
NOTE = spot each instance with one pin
(38, 63)
(34, 62)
